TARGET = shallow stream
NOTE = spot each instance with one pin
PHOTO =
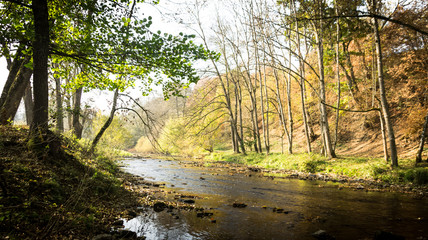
(276, 208)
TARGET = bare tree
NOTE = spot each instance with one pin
(373, 6)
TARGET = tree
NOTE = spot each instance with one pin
(80, 27)
(40, 65)
(384, 103)
(424, 134)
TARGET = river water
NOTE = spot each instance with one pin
(305, 207)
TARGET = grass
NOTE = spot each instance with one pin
(355, 167)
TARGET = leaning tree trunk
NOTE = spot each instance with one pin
(40, 65)
(29, 105)
(384, 102)
(422, 141)
(106, 124)
(12, 98)
(14, 68)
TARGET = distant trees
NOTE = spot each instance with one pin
(105, 39)
(281, 59)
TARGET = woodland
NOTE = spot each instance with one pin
(287, 79)
(282, 71)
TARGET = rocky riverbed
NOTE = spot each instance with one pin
(173, 200)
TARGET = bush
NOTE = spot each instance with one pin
(421, 176)
(377, 171)
(418, 176)
(313, 165)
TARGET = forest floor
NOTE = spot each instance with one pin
(60, 194)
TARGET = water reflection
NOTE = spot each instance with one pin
(307, 207)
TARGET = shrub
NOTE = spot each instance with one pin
(421, 176)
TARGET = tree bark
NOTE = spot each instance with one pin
(302, 81)
(385, 143)
(323, 111)
(40, 65)
(14, 69)
(290, 113)
(12, 98)
(77, 126)
(422, 141)
(59, 106)
(280, 107)
(384, 102)
(29, 105)
(106, 124)
(337, 77)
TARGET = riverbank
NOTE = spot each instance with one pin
(61, 193)
(364, 174)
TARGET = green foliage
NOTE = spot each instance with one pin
(144, 145)
(175, 139)
(117, 136)
(418, 176)
(312, 165)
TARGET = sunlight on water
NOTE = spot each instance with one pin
(276, 209)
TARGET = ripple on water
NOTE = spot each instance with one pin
(308, 206)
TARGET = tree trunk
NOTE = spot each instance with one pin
(29, 105)
(59, 107)
(77, 126)
(290, 113)
(267, 109)
(40, 65)
(239, 109)
(68, 104)
(302, 83)
(15, 92)
(337, 77)
(422, 141)
(280, 107)
(385, 144)
(323, 111)
(233, 135)
(384, 102)
(14, 69)
(106, 124)
(352, 83)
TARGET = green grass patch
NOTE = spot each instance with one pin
(356, 167)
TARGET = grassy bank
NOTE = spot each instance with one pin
(58, 193)
(364, 168)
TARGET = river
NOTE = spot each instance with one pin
(276, 208)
